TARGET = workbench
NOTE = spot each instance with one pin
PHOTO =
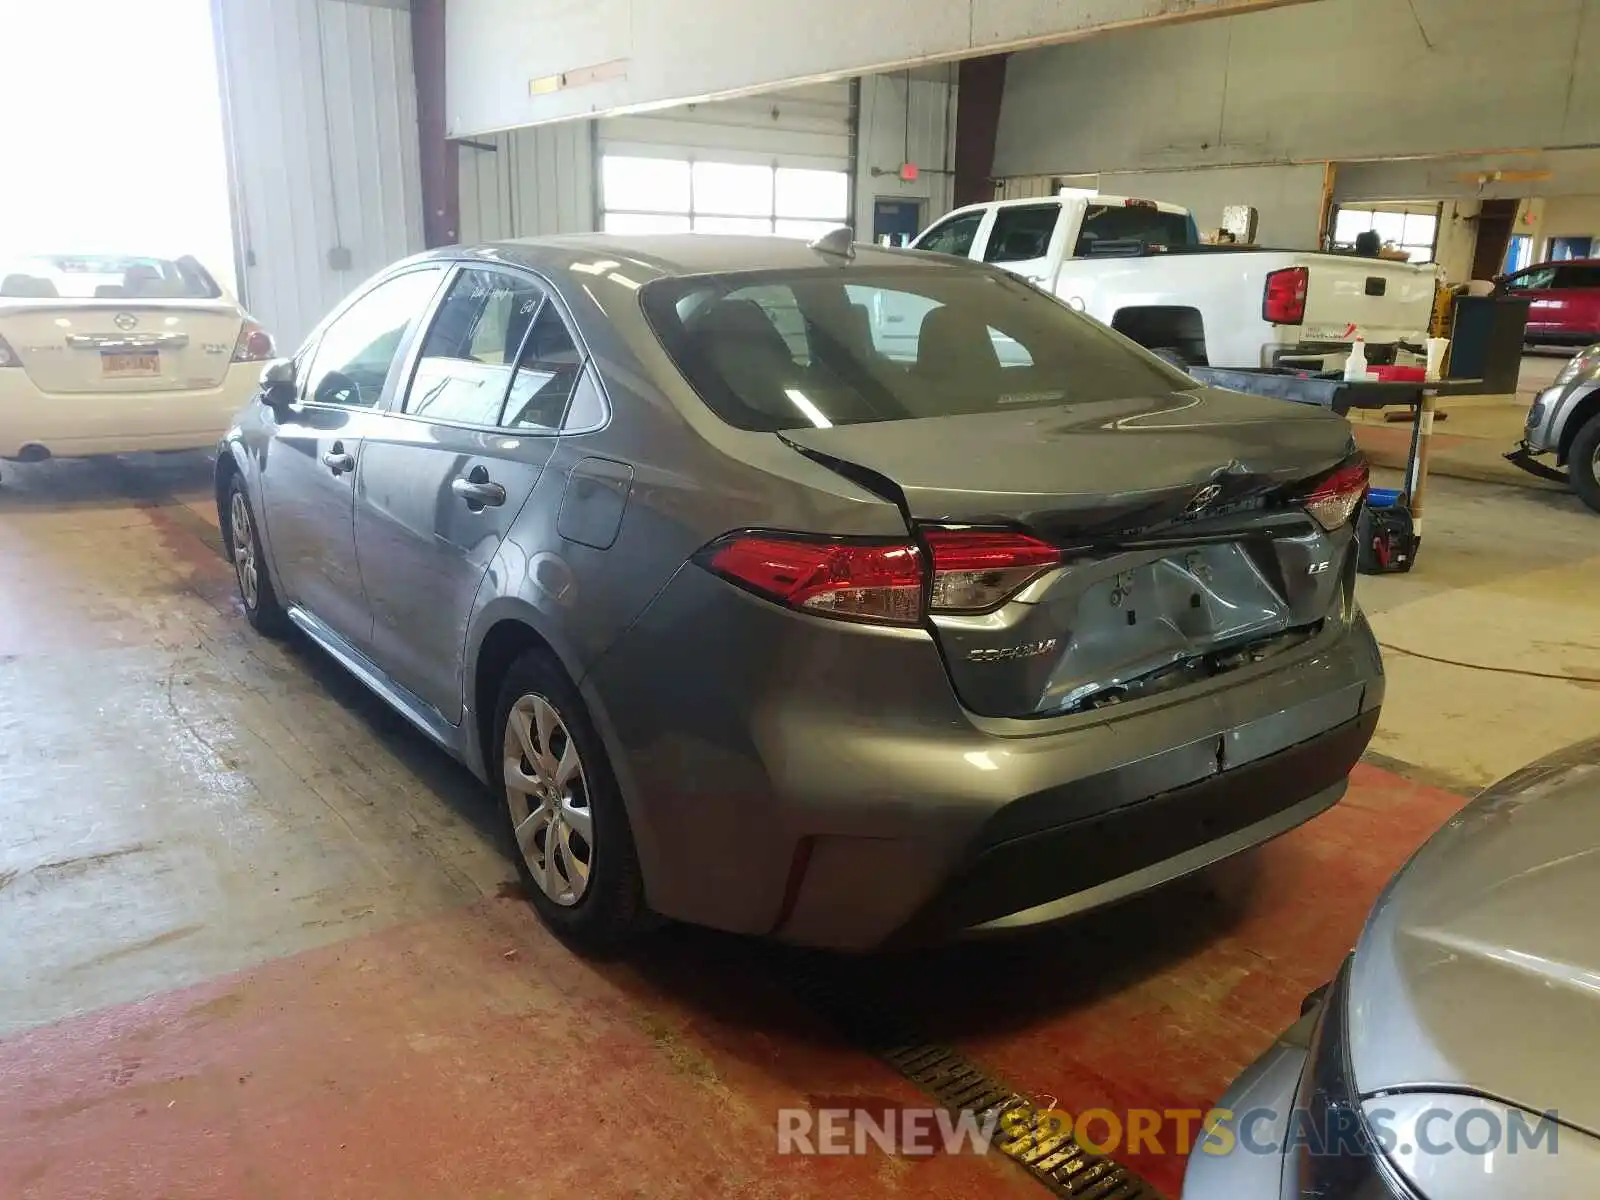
(1342, 396)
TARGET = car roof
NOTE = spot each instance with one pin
(655, 256)
(1563, 262)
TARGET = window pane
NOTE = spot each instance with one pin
(1019, 234)
(652, 184)
(353, 358)
(1391, 227)
(587, 410)
(1351, 223)
(731, 189)
(465, 364)
(732, 225)
(808, 230)
(812, 193)
(546, 375)
(1125, 223)
(616, 222)
(1420, 229)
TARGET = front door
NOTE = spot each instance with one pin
(310, 466)
(1537, 286)
(444, 478)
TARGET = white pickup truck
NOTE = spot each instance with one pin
(1139, 267)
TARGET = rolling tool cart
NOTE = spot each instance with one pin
(1391, 522)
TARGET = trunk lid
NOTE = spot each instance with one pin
(1387, 302)
(1184, 549)
(131, 346)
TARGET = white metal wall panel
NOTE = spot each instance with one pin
(534, 181)
(906, 119)
(795, 127)
(321, 108)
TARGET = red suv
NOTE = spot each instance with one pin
(1566, 300)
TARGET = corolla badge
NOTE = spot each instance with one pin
(1202, 499)
(1012, 653)
(125, 321)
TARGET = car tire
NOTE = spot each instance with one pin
(1583, 463)
(568, 835)
(1173, 355)
(261, 606)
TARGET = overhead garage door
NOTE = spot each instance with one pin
(778, 163)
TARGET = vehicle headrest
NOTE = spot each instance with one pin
(954, 346)
(33, 287)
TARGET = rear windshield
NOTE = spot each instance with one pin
(106, 277)
(1105, 225)
(791, 349)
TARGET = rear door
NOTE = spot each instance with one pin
(1537, 286)
(1574, 306)
(1020, 239)
(310, 467)
(445, 472)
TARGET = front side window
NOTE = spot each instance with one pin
(888, 344)
(354, 355)
(471, 348)
(1021, 233)
(955, 236)
(1536, 280)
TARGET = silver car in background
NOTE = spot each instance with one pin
(1563, 425)
(842, 595)
(1453, 1058)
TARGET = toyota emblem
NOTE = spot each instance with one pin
(125, 321)
(1202, 499)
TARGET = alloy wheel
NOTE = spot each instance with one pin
(244, 551)
(548, 796)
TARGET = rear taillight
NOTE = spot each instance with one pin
(1285, 300)
(858, 581)
(254, 344)
(1334, 501)
(8, 356)
(886, 583)
(976, 570)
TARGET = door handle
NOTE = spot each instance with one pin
(338, 461)
(479, 493)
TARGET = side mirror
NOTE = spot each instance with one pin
(278, 382)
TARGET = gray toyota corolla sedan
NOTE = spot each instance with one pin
(845, 595)
(1454, 1056)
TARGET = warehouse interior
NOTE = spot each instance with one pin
(265, 937)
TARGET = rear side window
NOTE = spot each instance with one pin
(1578, 277)
(470, 350)
(1107, 225)
(820, 347)
(547, 372)
(1021, 233)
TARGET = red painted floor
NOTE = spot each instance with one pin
(469, 1055)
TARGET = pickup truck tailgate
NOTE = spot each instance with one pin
(1386, 301)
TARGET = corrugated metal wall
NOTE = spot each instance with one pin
(792, 127)
(906, 117)
(321, 108)
(532, 181)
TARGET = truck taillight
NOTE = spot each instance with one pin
(254, 344)
(1285, 300)
(1333, 501)
(8, 356)
(883, 583)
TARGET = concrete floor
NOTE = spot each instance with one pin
(259, 941)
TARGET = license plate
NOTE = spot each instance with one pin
(123, 364)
